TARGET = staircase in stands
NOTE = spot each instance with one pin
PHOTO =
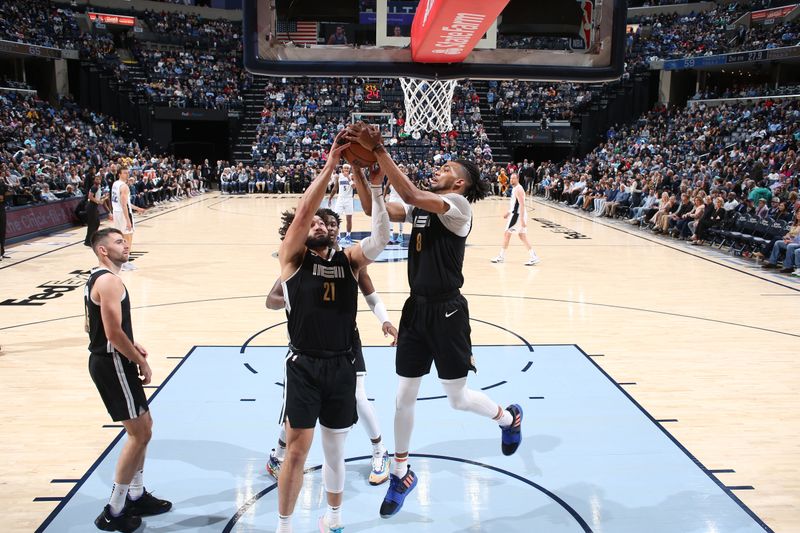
(492, 125)
(251, 118)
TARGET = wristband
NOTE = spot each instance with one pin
(379, 148)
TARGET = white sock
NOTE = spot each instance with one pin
(280, 450)
(284, 524)
(333, 516)
(400, 467)
(117, 500)
(377, 448)
(505, 419)
(137, 485)
(533, 254)
(502, 253)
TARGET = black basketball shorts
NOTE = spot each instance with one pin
(434, 331)
(358, 353)
(117, 381)
(319, 388)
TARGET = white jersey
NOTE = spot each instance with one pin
(517, 212)
(116, 198)
(513, 201)
(345, 195)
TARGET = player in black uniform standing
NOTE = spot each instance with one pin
(119, 369)
(320, 288)
(94, 198)
(434, 325)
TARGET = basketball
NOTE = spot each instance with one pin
(357, 155)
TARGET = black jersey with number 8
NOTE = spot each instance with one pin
(435, 256)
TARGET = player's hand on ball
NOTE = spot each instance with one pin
(340, 144)
(364, 135)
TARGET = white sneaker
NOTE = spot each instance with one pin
(380, 468)
(533, 261)
(325, 527)
(796, 272)
(498, 259)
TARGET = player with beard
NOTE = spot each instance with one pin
(320, 288)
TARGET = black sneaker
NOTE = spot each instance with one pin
(399, 488)
(125, 523)
(146, 505)
(511, 436)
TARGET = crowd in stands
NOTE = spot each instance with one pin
(207, 70)
(192, 78)
(48, 153)
(302, 116)
(677, 172)
(746, 91)
(194, 30)
(673, 36)
(519, 100)
(39, 22)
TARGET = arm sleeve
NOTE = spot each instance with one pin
(373, 245)
(376, 306)
(458, 218)
(409, 211)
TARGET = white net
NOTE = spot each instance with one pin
(428, 104)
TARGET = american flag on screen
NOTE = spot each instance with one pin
(298, 31)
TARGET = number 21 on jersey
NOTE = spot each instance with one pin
(330, 291)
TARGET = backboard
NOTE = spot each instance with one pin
(567, 40)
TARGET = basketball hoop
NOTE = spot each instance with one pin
(428, 104)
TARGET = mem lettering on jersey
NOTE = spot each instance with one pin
(422, 221)
(329, 272)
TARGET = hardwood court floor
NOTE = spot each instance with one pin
(708, 341)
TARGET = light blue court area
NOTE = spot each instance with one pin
(591, 458)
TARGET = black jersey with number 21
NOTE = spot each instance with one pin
(321, 301)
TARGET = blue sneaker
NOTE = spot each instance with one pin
(399, 488)
(512, 435)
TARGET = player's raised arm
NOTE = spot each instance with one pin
(370, 248)
(293, 246)
(370, 138)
